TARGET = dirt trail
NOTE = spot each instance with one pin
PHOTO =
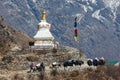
(47, 71)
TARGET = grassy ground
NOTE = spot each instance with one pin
(101, 73)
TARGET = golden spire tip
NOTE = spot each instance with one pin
(44, 14)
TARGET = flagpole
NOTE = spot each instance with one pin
(76, 36)
(79, 48)
(80, 55)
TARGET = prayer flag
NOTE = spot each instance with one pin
(75, 30)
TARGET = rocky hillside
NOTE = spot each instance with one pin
(98, 22)
(11, 39)
(16, 66)
(15, 55)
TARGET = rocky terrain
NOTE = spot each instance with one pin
(11, 39)
(101, 73)
(14, 49)
(15, 55)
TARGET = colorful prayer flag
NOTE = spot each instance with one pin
(75, 30)
(76, 38)
(75, 24)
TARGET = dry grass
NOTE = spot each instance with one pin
(108, 72)
(101, 73)
(10, 37)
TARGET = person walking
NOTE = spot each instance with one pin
(31, 66)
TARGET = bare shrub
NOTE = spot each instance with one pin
(113, 71)
(3, 78)
(32, 58)
(74, 73)
(54, 50)
(7, 59)
(54, 72)
(31, 76)
(17, 77)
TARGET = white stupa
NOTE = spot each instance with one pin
(43, 38)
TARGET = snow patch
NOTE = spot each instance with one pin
(28, 6)
(34, 1)
(92, 1)
(90, 8)
(99, 17)
(70, 1)
(96, 14)
(113, 4)
(79, 17)
(85, 8)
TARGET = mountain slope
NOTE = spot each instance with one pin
(98, 22)
(11, 39)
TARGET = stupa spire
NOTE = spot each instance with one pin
(43, 15)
